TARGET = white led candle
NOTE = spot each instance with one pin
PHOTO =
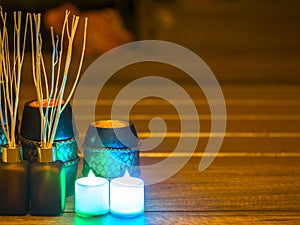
(127, 196)
(91, 195)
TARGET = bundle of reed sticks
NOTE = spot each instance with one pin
(50, 93)
(10, 75)
(50, 90)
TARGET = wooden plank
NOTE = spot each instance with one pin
(229, 184)
(238, 144)
(168, 218)
(243, 183)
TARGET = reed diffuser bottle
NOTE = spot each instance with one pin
(48, 176)
(47, 184)
(13, 182)
(14, 199)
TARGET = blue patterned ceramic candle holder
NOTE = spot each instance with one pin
(110, 148)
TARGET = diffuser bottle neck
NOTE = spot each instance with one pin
(46, 154)
(11, 154)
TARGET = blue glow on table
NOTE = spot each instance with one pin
(108, 219)
(127, 196)
(91, 195)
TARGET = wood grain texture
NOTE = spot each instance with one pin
(263, 190)
(254, 180)
(168, 218)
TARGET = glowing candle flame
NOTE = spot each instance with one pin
(126, 174)
(91, 175)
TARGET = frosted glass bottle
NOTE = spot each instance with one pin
(14, 173)
(47, 184)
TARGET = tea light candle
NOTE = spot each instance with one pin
(127, 196)
(91, 195)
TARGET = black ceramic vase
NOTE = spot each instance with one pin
(110, 148)
(65, 141)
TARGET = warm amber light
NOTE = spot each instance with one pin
(53, 102)
(111, 124)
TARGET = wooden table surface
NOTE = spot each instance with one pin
(253, 49)
(255, 179)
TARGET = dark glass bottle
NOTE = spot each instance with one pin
(14, 197)
(47, 184)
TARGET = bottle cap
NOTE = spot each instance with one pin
(11, 154)
(46, 154)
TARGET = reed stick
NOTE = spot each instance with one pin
(53, 89)
(10, 75)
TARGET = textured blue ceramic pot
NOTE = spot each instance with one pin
(110, 148)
